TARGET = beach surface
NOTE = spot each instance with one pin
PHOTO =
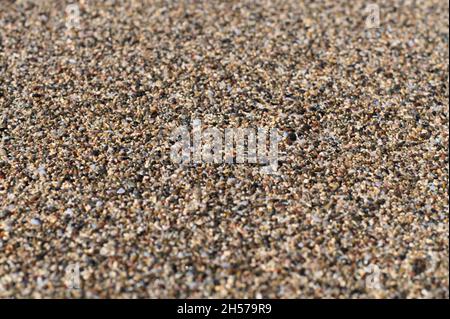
(93, 206)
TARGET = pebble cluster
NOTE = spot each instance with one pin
(358, 209)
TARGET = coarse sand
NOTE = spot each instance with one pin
(91, 90)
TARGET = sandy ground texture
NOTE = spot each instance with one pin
(90, 92)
